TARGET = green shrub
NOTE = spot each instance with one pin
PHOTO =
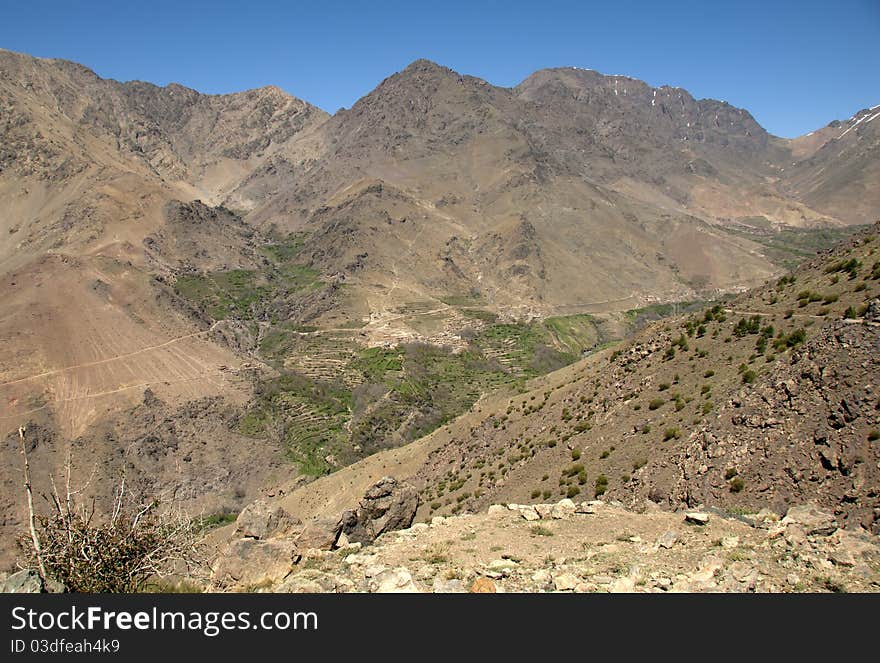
(671, 433)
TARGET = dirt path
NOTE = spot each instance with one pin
(773, 315)
(108, 360)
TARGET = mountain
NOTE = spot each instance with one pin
(188, 281)
(839, 171)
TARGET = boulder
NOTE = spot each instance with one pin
(388, 505)
(250, 562)
(814, 520)
(527, 511)
(259, 520)
(697, 517)
(563, 509)
(321, 534)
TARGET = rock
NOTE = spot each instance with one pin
(438, 520)
(623, 586)
(362, 559)
(565, 582)
(342, 541)
(729, 542)
(584, 507)
(374, 570)
(426, 572)
(259, 520)
(743, 572)
(312, 581)
(253, 562)
(563, 509)
(544, 510)
(498, 568)
(22, 582)
(542, 578)
(766, 516)
(795, 535)
(696, 517)
(707, 571)
(320, 533)
(667, 539)
(394, 581)
(497, 510)
(842, 558)
(388, 505)
(483, 586)
(529, 513)
(452, 586)
(814, 520)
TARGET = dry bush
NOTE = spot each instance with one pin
(118, 553)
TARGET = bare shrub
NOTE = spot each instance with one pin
(118, 553)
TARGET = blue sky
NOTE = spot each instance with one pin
(794, 65)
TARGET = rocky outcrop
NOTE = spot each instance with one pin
(268, 542)
(388, 505)
(259, 520)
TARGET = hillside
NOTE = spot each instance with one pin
(764, 401)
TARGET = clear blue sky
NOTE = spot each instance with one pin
(796, 65)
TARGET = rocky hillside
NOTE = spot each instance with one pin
(589, 546)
